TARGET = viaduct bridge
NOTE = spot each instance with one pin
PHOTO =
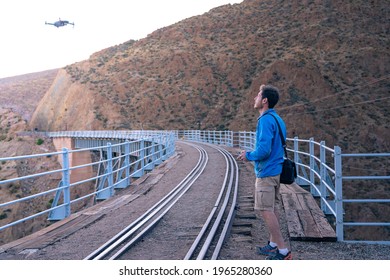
(96, 163)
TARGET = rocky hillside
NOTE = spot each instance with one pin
(23, 93)
(19, 97)
(329, 58)
(15, 141)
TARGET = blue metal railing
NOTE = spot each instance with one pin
(207, 136)
(320, 169)
(133, 154)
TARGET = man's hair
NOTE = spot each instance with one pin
(272, 94)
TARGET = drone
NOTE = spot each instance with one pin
(60, 23)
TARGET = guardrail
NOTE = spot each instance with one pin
(321, 171)
(321, 168)
(108, 167)
(207, 136)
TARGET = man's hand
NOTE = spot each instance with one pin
(242, 156)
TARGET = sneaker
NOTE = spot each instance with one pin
(279, 256)
(267, 250)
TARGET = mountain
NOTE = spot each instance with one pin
(22, 93)
(330, 60)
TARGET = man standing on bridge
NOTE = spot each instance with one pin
(268, 158)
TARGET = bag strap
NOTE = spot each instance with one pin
(281, 135)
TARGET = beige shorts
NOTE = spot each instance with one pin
(267, 193)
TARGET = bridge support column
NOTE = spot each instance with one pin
(62, 211)
(75, 159)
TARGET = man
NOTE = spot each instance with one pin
(268, 159)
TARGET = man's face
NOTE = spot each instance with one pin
(259, 102)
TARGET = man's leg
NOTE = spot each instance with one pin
(267, 200)
(272, 222)
(271, 218)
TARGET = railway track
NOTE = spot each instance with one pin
(209, 240)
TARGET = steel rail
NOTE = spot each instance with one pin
(150, 226)
(230, 192)
(161, 207)
(232, 211)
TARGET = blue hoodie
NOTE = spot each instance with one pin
(268, 153)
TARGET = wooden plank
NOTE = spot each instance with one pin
(309, 225)
(327, 232)
(284, 189)
(305, 219)
(62, 231)
(293, 188)
(297, 188)
(246, 198)
(20, 241)
(307, 201)
(290, 201)
(294, 225)
(246, 215)
(242, 224)
(242, 230)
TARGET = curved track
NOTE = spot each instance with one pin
(209, 241)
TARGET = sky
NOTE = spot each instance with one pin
(29, 45)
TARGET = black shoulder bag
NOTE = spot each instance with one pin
(289, 171)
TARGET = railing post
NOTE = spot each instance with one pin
(296, 148)
(339, 194)
(164, 147)
(141, 159)
(323, 191)
(226, 138)
(63, 211)
(159, 151)
(127, 163)
(313, 191)
(298, 180)
(142, 155)
(66, 180)
(173, 146)
(151, 155)
(109, 170)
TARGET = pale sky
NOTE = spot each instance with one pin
(28, 45)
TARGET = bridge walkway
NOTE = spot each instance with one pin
(22, 247)
(305, 220)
